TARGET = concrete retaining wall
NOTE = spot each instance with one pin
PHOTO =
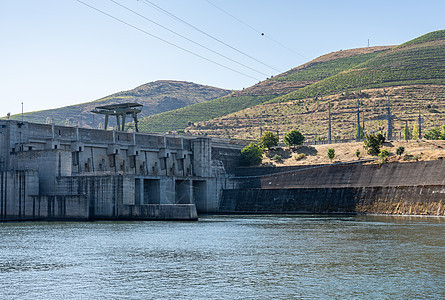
(399, 188)
(354, 175)
(414, 200)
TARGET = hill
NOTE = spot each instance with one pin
(420, 61)
(410, 78)
(280, 85)
(157, 97)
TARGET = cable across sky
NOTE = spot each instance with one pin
(165, 41)
(186, 38)
(256, 30)
(208, 35)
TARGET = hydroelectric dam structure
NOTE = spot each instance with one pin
(50, 172)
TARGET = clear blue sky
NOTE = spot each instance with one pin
(59, 52)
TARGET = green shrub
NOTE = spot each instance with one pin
(331, 153)
(268, 140)
(252, 154)
(357, 153)
(300, 156)
(400, 150)
(383, 155)
(436, 134)
(373, 143)
(380, 138)
(294, 138)
(276, 157)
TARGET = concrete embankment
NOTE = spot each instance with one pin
(409, 188)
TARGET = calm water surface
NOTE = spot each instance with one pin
(226, 257)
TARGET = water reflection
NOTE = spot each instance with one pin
(230, 257)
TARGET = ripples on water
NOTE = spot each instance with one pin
(226, 257)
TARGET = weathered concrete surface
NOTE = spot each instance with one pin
(400, 188)
(57, 172)
(355, 175)
(421, 200)
(59, 207)
(158, 212)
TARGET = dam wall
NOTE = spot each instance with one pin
(416, 188)
(351, 175)
(59, 172)
(418, 200)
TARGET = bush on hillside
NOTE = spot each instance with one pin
(276, 157)
(268, 140)
(383, 155)
(251, 155)
(294, 138)
(436, 134)
(331, 153)
(373, 142)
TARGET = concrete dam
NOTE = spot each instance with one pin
(50, 172)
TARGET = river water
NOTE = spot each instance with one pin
(226, 257)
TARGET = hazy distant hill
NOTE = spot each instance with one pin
(292, 80)
(157, 97)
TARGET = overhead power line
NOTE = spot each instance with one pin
(186, 38)
(256, 30)
(165, 41)
(147, 2)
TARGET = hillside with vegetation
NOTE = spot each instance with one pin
(156, 97)
(408, 80)
(420, 61)
(280, 85)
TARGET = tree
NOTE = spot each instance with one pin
(383, 155)
(436, 134)
(373, 143)
(331, 153)
(380, 138)
(294, 138)
(252, 154)
(406, 133)
(268, 140)
(433, 134)
(415, 133)
(362, 134)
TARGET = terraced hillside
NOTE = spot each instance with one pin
(311, 115)
(420, 61)
(410, 78)
(292, 80)
(157, 97)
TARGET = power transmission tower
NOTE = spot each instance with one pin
(363, 122)
(420, 124)
(389, 122)
(329, 128)
(358, 120)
